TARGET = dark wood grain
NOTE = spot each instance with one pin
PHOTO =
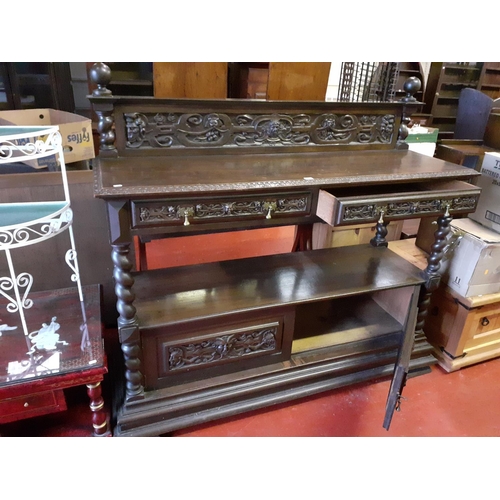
(209, 290)
(171, 156)
(121, 177)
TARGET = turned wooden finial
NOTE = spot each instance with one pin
(100, 74)
(411, 86)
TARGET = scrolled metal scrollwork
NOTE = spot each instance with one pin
(40, 230)
(23, 280)
(71, 260)
(17, 149)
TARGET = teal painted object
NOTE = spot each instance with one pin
(12, 214)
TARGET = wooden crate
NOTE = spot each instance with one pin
(464, 331)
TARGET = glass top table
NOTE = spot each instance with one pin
(64, 336)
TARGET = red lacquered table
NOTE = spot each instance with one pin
(64, 349)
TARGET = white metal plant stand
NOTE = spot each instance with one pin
(29, 223)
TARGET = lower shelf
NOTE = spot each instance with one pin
(221, 339)
(342, 321)
(166, 410)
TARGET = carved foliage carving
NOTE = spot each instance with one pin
(229, 208)
(176, 130)
(408, 208)
(222, 347)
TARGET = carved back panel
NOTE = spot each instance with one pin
(152, 126)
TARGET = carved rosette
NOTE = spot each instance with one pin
(177, 130)
(223, 347)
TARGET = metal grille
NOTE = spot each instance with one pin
(368, 81)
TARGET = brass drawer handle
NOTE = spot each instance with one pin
(269, 207)
(485, 321)
(186, 213)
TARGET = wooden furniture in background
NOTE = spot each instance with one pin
(444, 84)
(489, 81)
(213, 340)
(470, 153)
(36, 85)
(298, 81)
(202, 80)
(464, 331)
(407, 70)
(248, 80)
(129, 78)
(326, 236)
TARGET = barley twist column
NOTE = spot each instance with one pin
(128, 324)
(431, 272)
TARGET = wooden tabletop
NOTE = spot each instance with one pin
(181, 174)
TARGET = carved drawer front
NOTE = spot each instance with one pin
(485, 326)
(204, 349)
(405, 201)
(199, 210)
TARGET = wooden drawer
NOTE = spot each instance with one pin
(326, 236)
(463, 330)
(201, 349)
(188, 211)
(31, 405)
(406, 201)
(485, 326)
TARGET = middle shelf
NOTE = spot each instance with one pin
(298, 308)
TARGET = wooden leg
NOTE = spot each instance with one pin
(303, 238)
(143, 261)
(128, 324)
(99, 416)
(379, 239)
(431, 272)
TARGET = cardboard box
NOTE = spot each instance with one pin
(471, 265)
(76, 132)
(488, 208)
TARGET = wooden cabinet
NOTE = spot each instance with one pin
(408, 70)
(445, 82)
(213, 340)
(129, 78)
(463, 330)
(489, 81)
(36, 85)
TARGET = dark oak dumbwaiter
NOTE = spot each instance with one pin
(213, 340)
